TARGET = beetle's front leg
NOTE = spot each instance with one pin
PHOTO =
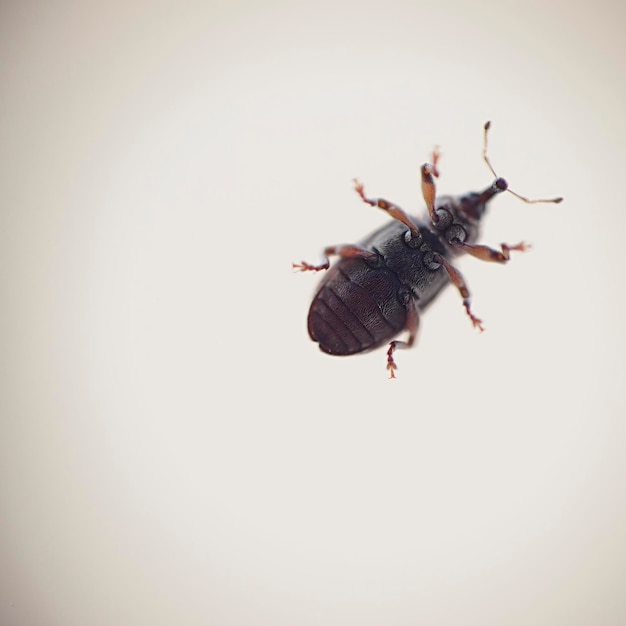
(430, 171)
(345, 250)
(485, 253)
(412, 324)
(458, 281)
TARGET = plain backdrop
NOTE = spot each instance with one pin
(173, 447)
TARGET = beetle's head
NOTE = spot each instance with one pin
(473, 205)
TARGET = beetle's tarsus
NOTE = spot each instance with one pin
(307, 267)
(435, 158)
(522, 246)
(391, 364)
(360, 189)
(476, 322)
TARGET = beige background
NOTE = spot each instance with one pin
(174, 449)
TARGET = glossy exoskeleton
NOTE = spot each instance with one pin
(378, 287)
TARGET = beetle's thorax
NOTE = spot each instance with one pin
(457, 218)
(454, 222)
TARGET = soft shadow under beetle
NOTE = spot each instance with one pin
(378, 287)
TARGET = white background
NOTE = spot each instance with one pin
(173, 447)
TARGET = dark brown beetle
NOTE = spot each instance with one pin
(378, 287)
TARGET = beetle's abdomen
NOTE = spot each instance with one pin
(356, 308)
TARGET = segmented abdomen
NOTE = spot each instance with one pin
(356, 308)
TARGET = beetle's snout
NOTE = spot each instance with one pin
(473, 205)
(498, 186)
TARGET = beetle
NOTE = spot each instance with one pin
(379, 287)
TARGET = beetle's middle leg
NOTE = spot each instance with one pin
(345, 250)
(412, 324)
(459, 282)
(393, 209)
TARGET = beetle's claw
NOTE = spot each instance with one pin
(477, 323)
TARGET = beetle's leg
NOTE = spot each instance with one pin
(485, 253)
(345, 250)
(393, 209)
(412, 324)
(429, 173)
(459, 283)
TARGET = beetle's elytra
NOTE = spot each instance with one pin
(379, 287)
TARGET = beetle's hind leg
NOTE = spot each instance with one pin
(345, 250)
(412, 324)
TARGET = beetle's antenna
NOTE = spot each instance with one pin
(486, 159)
